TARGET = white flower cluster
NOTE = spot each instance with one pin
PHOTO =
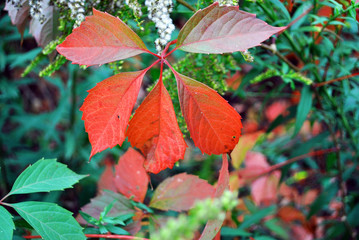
(36, 10)
(135, 6)
(77, 8)
(159, 12)
(227, 2)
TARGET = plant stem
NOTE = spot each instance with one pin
(265, 46)
(336, 80)
(187, 5)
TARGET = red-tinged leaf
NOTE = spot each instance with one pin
(178, 193)
(19, 14)
(131, 178)
(214, 125)
(213, 226)
(154, 130)
(121, 206)
(264, 189)
(218, 29)
(100, 39)
(107, 179)
(46, 31)
(107, 109)
(245, 143)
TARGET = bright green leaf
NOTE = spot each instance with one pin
(44, 176)
(6, 224)
(51, 221)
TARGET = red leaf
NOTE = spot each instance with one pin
(154, 130)
(178, 193)
(131, 178)
(107, 180)
(107, 109)
(213, 226)
(214, 125)
(100, 39)
(218, 29)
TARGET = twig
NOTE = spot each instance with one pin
(336, 80)
(108, 236)
(265, 46)
(187, 5)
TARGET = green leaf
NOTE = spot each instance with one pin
(44, 176)
(234, 232)
(281, 7)
(255, 218)
(51, 221)
(303, 109)
(6, 224)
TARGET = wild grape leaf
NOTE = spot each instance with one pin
(107, 179)
(131, 178)
(107, 109)
(46, 31)
(100, 39)
(178, 193)
(44, 176)
(50, 220)
(19, 13)
(214, 125)
(218, 29)
(213, 226)
(154, 130)
(6, 224)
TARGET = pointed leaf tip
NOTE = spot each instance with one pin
(107, 109)
(214, 125)
(101, 39)
(154, 130)
(220, 30)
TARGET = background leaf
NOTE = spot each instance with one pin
(6, 224)
(107, 109)
(44, 176)
(214, 125)
(101, 39)
(154, 130)
(131, 178)
(179, 192)
(218, 29)
(213, 226)
(50, 221)
(303, 109)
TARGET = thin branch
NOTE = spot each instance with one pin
(265, 46)
(187, 5)
(108, 236)
(336, 80)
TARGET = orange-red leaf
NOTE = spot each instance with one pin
(213, 226)
(214, 125)
(107, 109)
(100, 39)
(218, 29)
(131, 178)
(154, 130)
(178, 193)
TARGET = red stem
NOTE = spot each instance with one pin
(295, 159)
(336, 80)
(171, 52)
(109, 236)
(154, 54)
(166, 48)
(154, 63)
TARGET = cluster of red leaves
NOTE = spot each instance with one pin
(214, 125)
